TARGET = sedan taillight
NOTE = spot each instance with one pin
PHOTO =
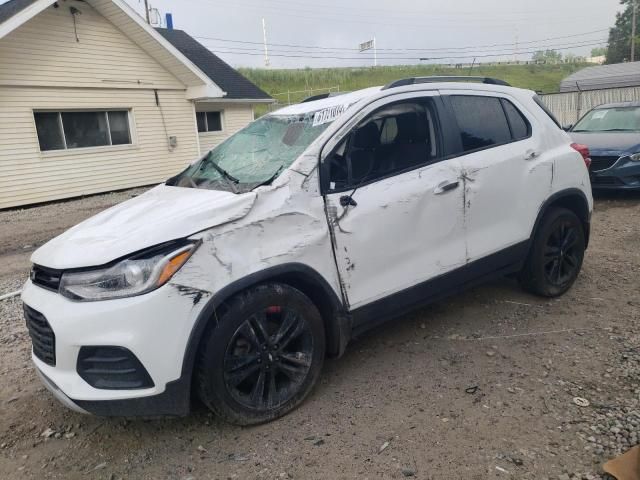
(584, 151)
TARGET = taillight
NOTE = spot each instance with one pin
(584, 151)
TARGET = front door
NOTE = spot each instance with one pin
(395, 206)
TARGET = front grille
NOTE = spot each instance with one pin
(42, 336)
(606, 181)
(112, 368)
(46, 277)
(602, 163)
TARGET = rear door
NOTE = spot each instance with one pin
(506, 172)
(394, 200)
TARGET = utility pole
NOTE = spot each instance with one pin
(375, 52)
(634, 16)
(146, 11)
(264, 37)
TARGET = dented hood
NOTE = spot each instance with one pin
(163, 213)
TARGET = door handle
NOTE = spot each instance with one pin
(446, 186)
(530, 155)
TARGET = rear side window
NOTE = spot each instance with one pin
(481, 120)
(520, 128)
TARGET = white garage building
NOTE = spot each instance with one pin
(93, 99)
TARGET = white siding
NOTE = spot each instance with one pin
(43, 67)
(30, 176)
(234, 117)
(44, 52)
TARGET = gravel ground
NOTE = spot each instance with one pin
(493, 383)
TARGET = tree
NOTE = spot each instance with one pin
(599, 51)
(547, 56)
(620, 35)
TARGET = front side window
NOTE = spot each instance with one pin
(614, 119)
(395, 138)
(481, 120)
(82, 129)
(209, 121)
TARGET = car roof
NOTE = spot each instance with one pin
(380, 92)
(618, 105)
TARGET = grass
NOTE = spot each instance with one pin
(542, 78)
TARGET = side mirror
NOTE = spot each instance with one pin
(566, 128)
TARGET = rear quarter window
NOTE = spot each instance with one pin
(520, 127)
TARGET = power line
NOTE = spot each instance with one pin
(329, 57)
(316, 47)
(388, 53)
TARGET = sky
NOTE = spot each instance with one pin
(326, 33)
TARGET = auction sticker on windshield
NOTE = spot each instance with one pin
(328, 114)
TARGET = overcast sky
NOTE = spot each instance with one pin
(434, 26)
(338, 26)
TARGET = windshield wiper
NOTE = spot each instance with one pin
(221, 171)
(270, 179)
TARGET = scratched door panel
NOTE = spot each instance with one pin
(504, 193)
(400, 233)
(504, 185)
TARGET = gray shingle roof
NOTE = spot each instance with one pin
(603, 76)
(222, 74)
(9, 9)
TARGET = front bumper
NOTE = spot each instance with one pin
(624, 175)
(155, 327)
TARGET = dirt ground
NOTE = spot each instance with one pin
(480, 386)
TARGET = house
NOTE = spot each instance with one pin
(93, 99)
(603, 76)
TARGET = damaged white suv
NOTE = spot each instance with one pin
(237, 277)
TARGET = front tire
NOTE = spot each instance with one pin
(556, 255)
(262, 355)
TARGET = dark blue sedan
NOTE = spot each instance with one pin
(612, 133)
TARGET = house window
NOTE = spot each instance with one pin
(209, 121)
(66, 130)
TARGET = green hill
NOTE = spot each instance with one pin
(542, 78)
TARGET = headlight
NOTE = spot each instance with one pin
(141, 273)
(635, 157)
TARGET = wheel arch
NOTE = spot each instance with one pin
(572, 199)
(302, 277)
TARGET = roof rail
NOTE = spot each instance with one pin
(322, 96)
(434, 79)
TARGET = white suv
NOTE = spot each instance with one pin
(237, 277)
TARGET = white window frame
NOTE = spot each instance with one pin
(206, 121)
(67, 150)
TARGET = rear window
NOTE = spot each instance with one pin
(481, 120)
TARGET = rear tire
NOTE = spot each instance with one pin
(262, 356)
(556, 255)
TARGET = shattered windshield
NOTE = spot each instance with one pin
(255, 155)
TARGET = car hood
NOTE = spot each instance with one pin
(163, 213)
(609, 143)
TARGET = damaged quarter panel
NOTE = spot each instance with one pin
(287, 224)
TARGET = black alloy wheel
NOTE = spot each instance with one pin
(556, 255)
(268, 358)
(561, 255)
(261, 355)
